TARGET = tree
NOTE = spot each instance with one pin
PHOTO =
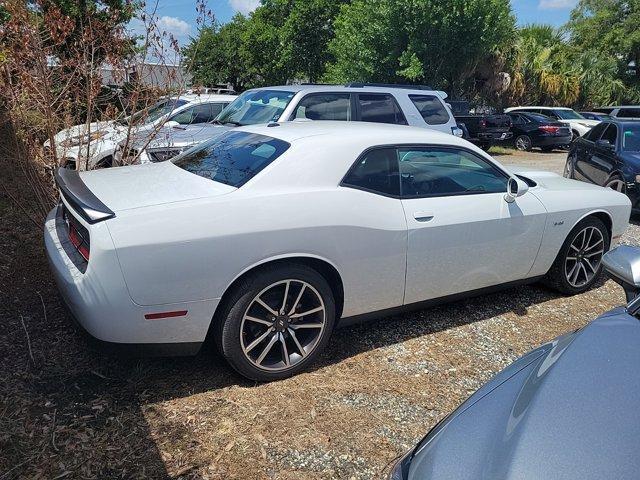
(440, 42)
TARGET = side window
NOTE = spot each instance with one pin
(439, 171)
(216, 108)
(629, 113)
(431, 109)
(324, 106)
(380, 108)
(517, 119)
(375, 171)
(595, 133)
(610, 134)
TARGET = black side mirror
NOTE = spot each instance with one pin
(605, 144)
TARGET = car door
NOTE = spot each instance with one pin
(584, 149)
(462, 234)
(603, 159)
(379, 108)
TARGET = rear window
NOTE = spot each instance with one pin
(232, 158)
(431, 109)
(629, 113)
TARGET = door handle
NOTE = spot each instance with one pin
(423, 216)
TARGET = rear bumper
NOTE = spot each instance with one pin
(101, 304)
(551, 140)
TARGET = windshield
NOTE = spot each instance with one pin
(232, 158)
(256, 106)
(151, 114)
(568, 115)
(631, 138)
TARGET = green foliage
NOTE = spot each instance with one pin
(440, 42)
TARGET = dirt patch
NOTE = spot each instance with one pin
(70, 410)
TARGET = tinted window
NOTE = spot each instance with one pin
(154, 113)
(595, 133)
(631, 138)
(610, 134)
(232, 158)
(568, 114)
(202, 113)
(516, 119)
(380, 108)
(376, 171)
(256, 106)
(325, 106)
(629, 113)
(431, 109)
(432, 172)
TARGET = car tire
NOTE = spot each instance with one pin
(586, 258)
(569, 167)
(485, 146)
(616, 182)
(247, 330)
(523, 143)
(574, 135)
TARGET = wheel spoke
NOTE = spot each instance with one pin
(258, 320)
(308, 312)
(295, 340)
(586, 274)
(267, 349)
(591, 247)
(575, 248)
(267, 307)
(590, 236)
(285, 352)
(295, 304)
(258, 340)
(589, 265)
(299, 326)
(576, 273)
(599, 252)
(570, 274)
(284, 299)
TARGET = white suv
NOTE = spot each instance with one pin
(578, 124)
(92, 146)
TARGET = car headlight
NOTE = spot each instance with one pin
(83, 139)
(164, 155)
(400, 470)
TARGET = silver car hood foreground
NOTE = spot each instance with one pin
(569, 410)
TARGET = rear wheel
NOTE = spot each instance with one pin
(579, 262)
(523, 143)
(277, 323)
(569, 168)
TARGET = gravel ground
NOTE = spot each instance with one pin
(69, 410)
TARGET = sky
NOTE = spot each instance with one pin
(179, 16)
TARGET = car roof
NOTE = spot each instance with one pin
(540, 107)
(208, 97)
(343, 88)
(621, 106)
(374, 133)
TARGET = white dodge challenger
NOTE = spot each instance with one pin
(265, 236)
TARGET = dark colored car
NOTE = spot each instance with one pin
(567, 410)
(601, 117)
(479, 129)
(609, 155)
(534, 130)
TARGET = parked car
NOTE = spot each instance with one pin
(578, 124)
(413, 105)
(609, 155)
(93, 146)
(567, 410)
(533, 130)
(266, 235)
(479, 129)
(600, 117)
(626, 112)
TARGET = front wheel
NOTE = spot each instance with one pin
(579, 262)
(523, 143)
(569, 168)
(277, 323)
(616, 183)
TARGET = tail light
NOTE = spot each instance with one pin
(549, 129)
(78, 236)
(483, 123)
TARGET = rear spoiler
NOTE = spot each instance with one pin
(83, 201)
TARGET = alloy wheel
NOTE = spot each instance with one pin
(584, 256)
(523, 143)
(568, 168)
(282, 325)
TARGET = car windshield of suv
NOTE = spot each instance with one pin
(568, 115)
(631, 138)
(232, 158)
(157, 111)
(255, 106)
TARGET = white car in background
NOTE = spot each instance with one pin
(579, 125)
(414, 105)
(79, 147)
(265, 236)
